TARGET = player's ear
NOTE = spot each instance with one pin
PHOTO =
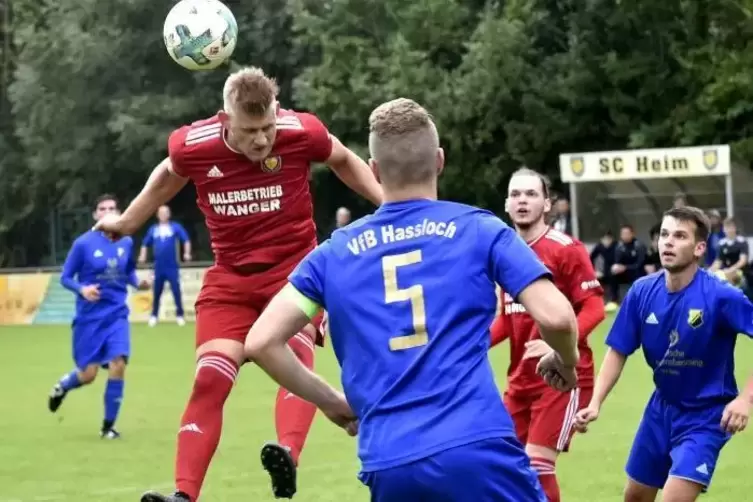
(507, 205)
(700, 249)
(547, 205)
(440, 161)
(375, 169)
(224, 117)
(277, 107)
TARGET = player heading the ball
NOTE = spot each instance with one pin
(687, 321)
(410, 295)
(250, 165)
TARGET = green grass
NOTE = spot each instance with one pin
(46, 457)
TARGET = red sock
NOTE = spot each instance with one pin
(293, 415)
(547, 477)
(201, 425)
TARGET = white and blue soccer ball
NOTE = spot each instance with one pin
(200, 34)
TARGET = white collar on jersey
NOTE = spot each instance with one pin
(224, 139)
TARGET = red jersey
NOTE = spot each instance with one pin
(574, 275)
(256, 212)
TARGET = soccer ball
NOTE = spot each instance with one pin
(200, 34)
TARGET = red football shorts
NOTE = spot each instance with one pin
(231, 301)
(547, 418)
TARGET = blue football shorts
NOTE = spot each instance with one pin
(491, 470)
(678, 442)
(99, 341)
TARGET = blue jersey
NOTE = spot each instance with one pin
(688, 337)
(410, 295)
(165, 240)
(95, 259)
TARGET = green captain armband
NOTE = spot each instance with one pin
(307, 305)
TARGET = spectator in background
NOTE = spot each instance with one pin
(731, 262)
(653, 261)
(602, 258)
(165, 238)
(680, 200)
(715, 236)
(342, 217)
(561, 216)
(629, 258)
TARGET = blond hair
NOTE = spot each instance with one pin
(403, 141)
(251, 91)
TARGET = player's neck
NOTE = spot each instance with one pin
(228, 139)
(536, 230)
(409, 193)
(677, 281)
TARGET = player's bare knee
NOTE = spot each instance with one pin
(88, 374)
(116, 369)
(638, 492)
(251, 349)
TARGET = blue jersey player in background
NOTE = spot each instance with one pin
(687, 321)
(410, 295)
(98, 271)
(165, 238)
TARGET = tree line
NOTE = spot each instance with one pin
(89, 94)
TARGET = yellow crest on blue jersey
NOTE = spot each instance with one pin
(695, 318)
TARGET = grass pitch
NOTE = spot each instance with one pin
(46, 457)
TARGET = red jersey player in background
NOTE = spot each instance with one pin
(250, 164)
(543, 416)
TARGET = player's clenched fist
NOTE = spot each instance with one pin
(585, 417)
(556, 374)
(736, 415)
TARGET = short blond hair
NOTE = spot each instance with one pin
(251, 91)
(403, 140)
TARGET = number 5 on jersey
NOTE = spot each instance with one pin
(413, 294)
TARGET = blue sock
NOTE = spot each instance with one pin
(70, 381)
(113, 398)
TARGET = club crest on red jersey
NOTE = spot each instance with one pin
(271, 164)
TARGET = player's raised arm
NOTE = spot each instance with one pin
(349, 167)
(163, 184)
(354, 172)
(521, 274)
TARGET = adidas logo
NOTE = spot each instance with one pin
(651, 319)
(703, 469)
(215, 173)
(190, 428)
